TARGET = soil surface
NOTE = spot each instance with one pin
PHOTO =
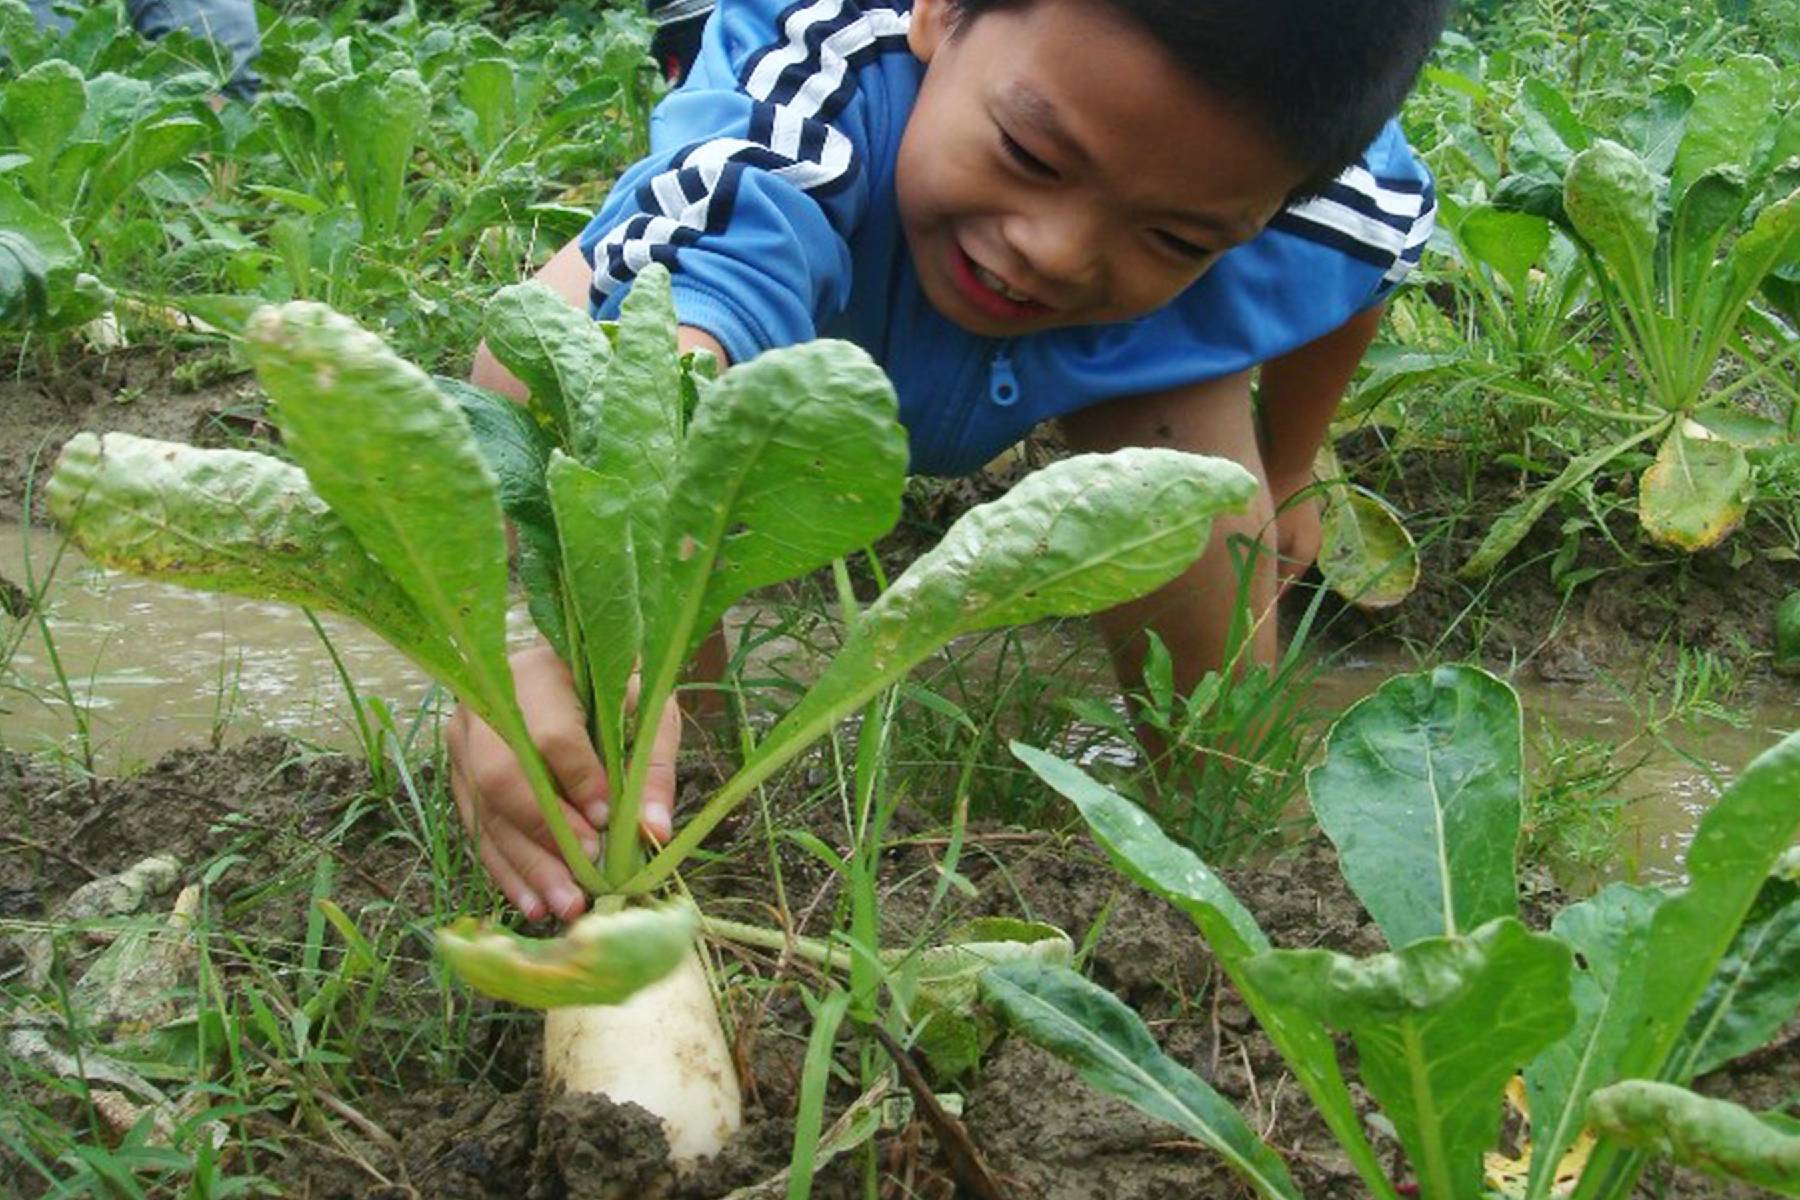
(253, 812)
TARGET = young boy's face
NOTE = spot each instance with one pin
(1060, 169)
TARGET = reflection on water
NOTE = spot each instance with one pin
(158, 667)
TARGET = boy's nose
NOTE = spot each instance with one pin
(1061, 247)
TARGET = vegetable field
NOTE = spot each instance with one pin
(1487, 887)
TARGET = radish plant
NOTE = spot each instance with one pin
(647, 498)
(1628, 997)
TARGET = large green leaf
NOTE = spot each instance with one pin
(24, 287)
(1707, 211)
(1509, 242)
(394, 458)
(1695, 493)
(1440, 1026)
(1787, 635)
(42, 107)
(1772, 241)
(1421, 791)
(377, 114)
(553, 348)
(1738, 841)
(639, 423)
(603, 958)
(516, 448)
(1079, 535)
(1610, 935)
(1732, 111)
(1756, 988)
(1611, 200)
(1145, 854)
(149, 147)
(795, 458)
(1715, 1136)
(1547, 134)
(228, 521)
(593, 521)
(1089, 1028)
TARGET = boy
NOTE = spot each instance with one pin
(1107, 212)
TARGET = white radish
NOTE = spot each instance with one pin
(663, 1049)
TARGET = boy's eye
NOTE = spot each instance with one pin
(1181, 246)
(1024, 157)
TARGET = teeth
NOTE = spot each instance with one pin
(993, 281)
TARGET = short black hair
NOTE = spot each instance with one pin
(1319, 76)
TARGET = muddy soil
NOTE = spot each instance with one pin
(1629, 621)
(198, 396)
(494, 1134)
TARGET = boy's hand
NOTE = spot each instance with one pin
(495, 799)
(1297, 531)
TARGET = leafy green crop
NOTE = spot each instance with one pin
(1421, 791)
(1677, 261)
(648, 498)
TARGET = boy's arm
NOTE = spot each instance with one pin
(1298, 395)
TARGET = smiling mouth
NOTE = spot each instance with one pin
(992, 294)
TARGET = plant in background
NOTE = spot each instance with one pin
(1677, 277)
(1630, 995)
(647, 499)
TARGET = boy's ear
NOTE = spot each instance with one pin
(931, 26)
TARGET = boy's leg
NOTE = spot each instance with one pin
(1193, 614)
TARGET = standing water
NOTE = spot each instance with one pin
(155, 667)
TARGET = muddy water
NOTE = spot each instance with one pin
(155, 667)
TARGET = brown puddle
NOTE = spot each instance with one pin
(159, 667)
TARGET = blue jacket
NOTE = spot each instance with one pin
(769, 191)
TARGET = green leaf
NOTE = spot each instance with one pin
(1787, 635)
(1509, 242)
(149, 147)
(228, 521)
(377, 115)
(1771, 242)
(1087, 1027)
(395, 460)
(487, 88)
(1655, 130)
(602, 958)
(517, 450)
(938, 985)
(1756, 989)
(1695, 493)
(24, 294)
(1732, 111)
(794, 458)
(1143, 853)
(49, 236)
(555, 350)
(1080, 535)
(600, 566)
(1738, 841)
(1715, 1136)
(1611, 200)
(1547, 134)
(637, 441)
(1440, 1026)
(1706, 212)
(1365, 553)
(42, 107)
(1421, 791)
(1513, 524)
(1610, 936)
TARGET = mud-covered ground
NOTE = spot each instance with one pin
(1632, 615)
(264, 808)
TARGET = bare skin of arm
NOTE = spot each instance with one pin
(1192, 614)
(490, 789)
